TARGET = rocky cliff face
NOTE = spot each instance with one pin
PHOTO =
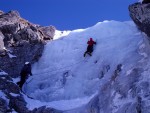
(140, 14)
(20, 41)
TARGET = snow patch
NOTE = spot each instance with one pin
(14, 95)
(3, 72)
(11, 56)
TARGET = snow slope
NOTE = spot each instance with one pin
(63, 75)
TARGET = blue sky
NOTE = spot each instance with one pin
(69, 14)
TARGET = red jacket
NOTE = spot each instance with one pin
(91, 42)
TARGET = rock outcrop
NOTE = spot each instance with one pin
(11, 99)
(20, 41)
(140, 14)
(145, 1)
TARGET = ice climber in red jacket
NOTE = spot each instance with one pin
(90, 47)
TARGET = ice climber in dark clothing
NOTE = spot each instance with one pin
(25, 72)
(90, 47)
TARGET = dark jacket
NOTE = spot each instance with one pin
(26, 70)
